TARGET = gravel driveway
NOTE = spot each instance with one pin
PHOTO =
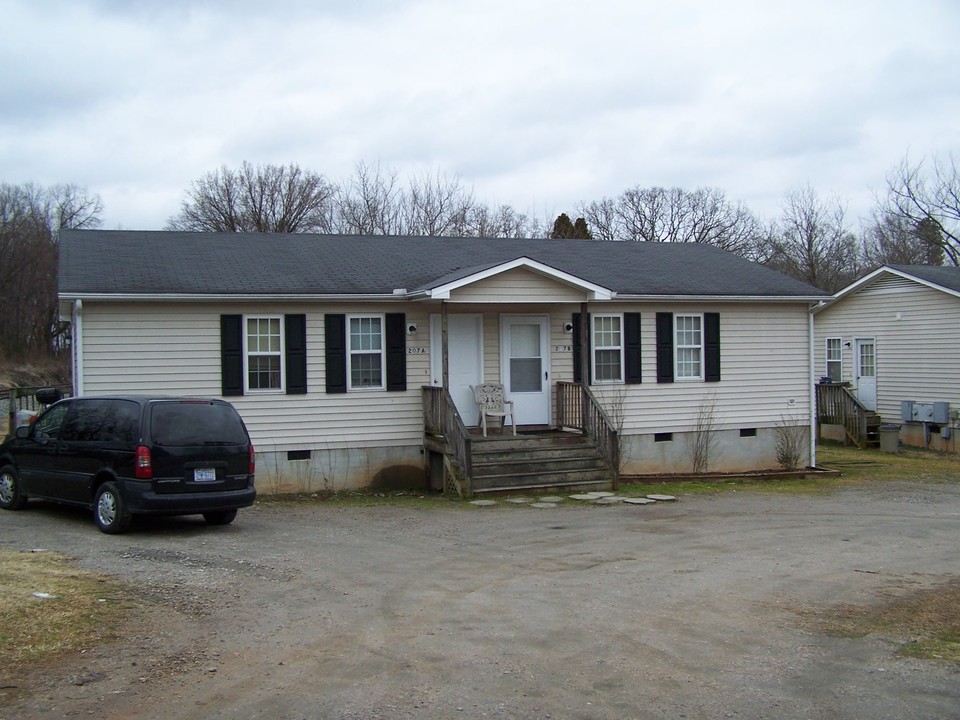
(683, 610)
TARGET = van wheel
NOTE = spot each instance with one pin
(10, 496)
(109, 510)
(222, 517)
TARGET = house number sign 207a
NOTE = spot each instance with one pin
(416, 351)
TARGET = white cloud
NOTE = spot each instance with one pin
(534, 103)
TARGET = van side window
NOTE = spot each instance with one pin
(103, 421)
(48, 425)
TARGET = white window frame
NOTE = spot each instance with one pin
(677, 347)
(361, 351)
(838, 360)
(247, 354)
(597, 347)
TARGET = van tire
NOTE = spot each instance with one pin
(109, 510)
(11, 497)
(221, 517)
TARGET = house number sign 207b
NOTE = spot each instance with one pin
(562, 348)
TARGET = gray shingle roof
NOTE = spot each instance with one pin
(948, 277)
(95, 262)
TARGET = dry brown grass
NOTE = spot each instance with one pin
(925, 623)
(86, 609)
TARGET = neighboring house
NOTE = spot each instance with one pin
(325, 343)
(894, 336)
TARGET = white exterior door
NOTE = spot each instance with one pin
(465, 348)
(525, 366)
(865, 363)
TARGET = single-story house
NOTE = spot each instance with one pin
(331, 347)
(893, 337)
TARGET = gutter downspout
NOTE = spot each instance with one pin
(77, 347)
(813, 393)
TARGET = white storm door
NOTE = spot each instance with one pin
(865, 363)
(525, 366)
(465, 352)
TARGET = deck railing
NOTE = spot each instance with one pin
(22, 401)
(836, 405)
(579, 409)
(441, 419)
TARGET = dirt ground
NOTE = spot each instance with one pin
(684, 610)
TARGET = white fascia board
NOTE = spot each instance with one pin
(178, 297)
(809, 300)
(594, 291)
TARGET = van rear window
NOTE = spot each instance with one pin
(192, 424)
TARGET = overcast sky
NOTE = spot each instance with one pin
(540, 104)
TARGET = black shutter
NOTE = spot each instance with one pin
(711, 331)
(631, 348)
(231, 355)
(577, 345)
(664, 347)
(295, 344)
(396, 345)
(335, 352)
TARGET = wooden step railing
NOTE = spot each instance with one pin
(441, 419)
(836, 405)
(579, 409)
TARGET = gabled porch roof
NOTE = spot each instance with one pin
(442, 288)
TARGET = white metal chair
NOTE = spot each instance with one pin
(490, 400)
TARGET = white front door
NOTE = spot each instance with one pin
(465, 352)
(525, 366)
(865, 363)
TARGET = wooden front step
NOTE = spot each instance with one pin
(552, 460)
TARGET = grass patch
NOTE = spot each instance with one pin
(925, 623)
(86, 608)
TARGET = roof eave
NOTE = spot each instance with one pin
(723, 298)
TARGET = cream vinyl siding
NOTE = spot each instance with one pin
(517, 286)
(764, 370)
(917, 332)
(174, 349)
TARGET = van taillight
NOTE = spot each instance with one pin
(143, 465)
(253, 459)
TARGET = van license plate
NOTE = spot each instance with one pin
(204, 475)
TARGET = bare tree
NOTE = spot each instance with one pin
(932, 194)
(436, 205)
(657, 214)
(895, 240)
(262, 198)
(369, 202)
(31, 218)
(811, 241)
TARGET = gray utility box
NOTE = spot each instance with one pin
(890, 438)
(934, 412)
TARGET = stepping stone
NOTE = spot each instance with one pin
(639, 501)
(551, 499)
(543, 505)
(601, 493)
(609, 500)
(483, 503)
(662, 498)
(583, 497)
(518, 500)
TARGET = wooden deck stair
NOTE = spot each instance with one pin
(872, 435)
(562, 460)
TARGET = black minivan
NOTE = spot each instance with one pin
(128, 455)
